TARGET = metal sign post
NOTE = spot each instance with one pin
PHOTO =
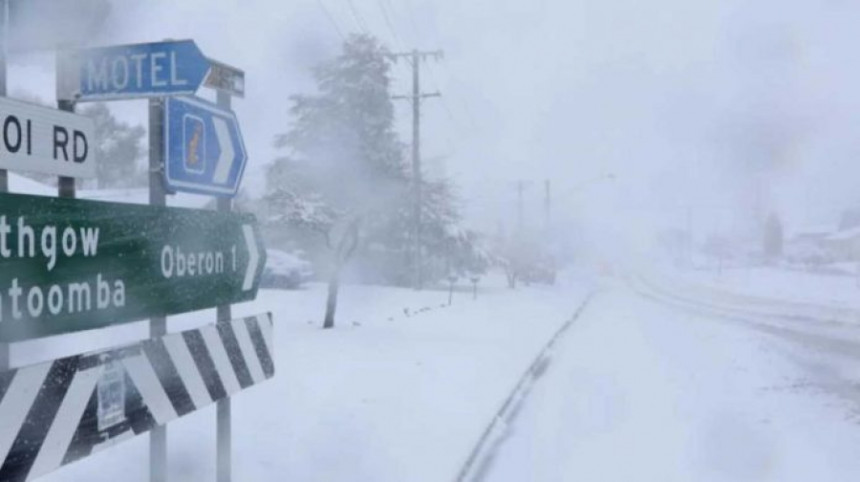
(79, 155)
(223, 424)
(5, 354)
(158, 324)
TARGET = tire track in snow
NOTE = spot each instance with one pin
(827, 375)
(830, 344)
(482, 454)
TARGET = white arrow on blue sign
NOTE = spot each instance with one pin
(204, 151)
(131, 71)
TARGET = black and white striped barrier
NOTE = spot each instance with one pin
(57, 412)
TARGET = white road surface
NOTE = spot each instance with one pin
(642, 391)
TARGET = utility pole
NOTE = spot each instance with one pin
(415, 57)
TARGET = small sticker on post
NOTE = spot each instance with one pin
(111, 395)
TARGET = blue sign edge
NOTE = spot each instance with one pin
(215, 108)
(140, 95)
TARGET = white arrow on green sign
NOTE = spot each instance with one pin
(69, 264)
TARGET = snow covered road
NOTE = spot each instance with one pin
(642, 391)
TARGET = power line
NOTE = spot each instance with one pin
(388, 12)
(435, 82)
(331, 19)
(359, 19)
(385, 14)
(453, 121)
(460, 100)
(398, 39)
(410, 14)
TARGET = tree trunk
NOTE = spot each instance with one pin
(345, 249)
(331, 301)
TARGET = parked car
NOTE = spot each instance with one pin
(542, 270)
(285, 270)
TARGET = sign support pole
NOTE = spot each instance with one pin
(4, 179)
(66, 185)
(223, 425)
(4, 38)
(158, 324)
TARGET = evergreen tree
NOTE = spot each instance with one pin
(344, 169)
(344, 181)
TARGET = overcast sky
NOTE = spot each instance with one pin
(722, 105)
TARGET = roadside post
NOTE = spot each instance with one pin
(4, 176)
(224, 428)
(158, 324)
(66, 184)
(227, 81)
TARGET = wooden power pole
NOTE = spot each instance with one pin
(415, 57)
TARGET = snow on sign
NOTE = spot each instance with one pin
(70, 264)
(131, 71)
(40, 139)
(204, 151)
(57, 412)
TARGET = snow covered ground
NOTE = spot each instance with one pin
(399, 391)
(778, 283)
(640, 391)
(403, 388)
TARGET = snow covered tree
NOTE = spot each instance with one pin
(344, 168)
(341, 191)
(340, 231)
(118, 147)
(449, 248)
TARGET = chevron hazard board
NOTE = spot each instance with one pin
(57, 412)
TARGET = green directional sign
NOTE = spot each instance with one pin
(69, 264)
